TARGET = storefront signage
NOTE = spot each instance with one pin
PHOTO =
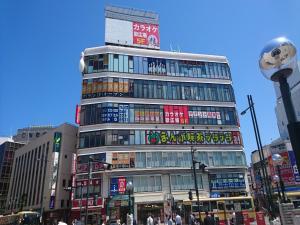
(57, 142)
(226, 183)
(52, 202)
(286, 169)
(122, 185)
(55, 166)
(95, 166)
(193, 137)
(123, 160)
(145, 34)
(176, 114)
(294, 166)
(76, 202)
(117, 186)
(77, 114)
(205, 115)
(119, 114)
(215, 195)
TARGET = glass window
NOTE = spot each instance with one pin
(121, 63)
(116, 63)
(126, 64)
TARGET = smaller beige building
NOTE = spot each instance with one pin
(41, 171)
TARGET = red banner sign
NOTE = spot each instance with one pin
(145, 34)
(122, 185)
(176, 114)
(76, 202)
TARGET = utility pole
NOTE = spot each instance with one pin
(195, 181)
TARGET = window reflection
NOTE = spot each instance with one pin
(156, 66)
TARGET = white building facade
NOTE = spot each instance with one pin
(142, 110)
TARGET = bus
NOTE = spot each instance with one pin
(223, 207)
(21, 218)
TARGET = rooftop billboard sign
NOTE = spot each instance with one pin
(130, 27)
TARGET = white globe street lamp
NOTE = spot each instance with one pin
(277, 62)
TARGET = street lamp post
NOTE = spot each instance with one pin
(277, 62)
(265, 179)
(201, 166)
(278, 161)
(129, 188)
(276, 181)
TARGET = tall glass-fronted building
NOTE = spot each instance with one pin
(142, 109)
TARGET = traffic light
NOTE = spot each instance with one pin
(191, 195)
(95, 200)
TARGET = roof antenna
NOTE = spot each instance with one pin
(171, 47)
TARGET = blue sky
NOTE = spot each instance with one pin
(41, 41)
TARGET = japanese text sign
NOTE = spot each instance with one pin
(145, 34)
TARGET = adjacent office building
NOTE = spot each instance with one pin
(7, 152)
(288, 170)
(141, 110)
(27, 134)
(41, 171)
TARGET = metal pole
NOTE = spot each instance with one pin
(80, 201)
(87, 193)
(196, 184)
(278, 190)
(261, 154)
(129, 202)
(293, 126)
(281, 184)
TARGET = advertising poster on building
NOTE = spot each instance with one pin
(192, 137)
(145, 34)
(286, 170)
(157, 66)
(122, 185)
(123, 160)
(130, 33)
(294, 166)
(174, 114)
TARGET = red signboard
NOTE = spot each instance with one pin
(145, 34)
(176, 114)
(77, 115)
(76, 202)
(286, 169)
(122, 185)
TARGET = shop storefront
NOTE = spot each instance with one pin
(117, 208)
(156, 210)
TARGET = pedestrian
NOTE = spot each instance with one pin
(118, 222)
(150, 220)
(178, 220)
(213, 218)
(191, 219)
(166, 219)
(208, 220)
(170, 221)
(233, 218)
